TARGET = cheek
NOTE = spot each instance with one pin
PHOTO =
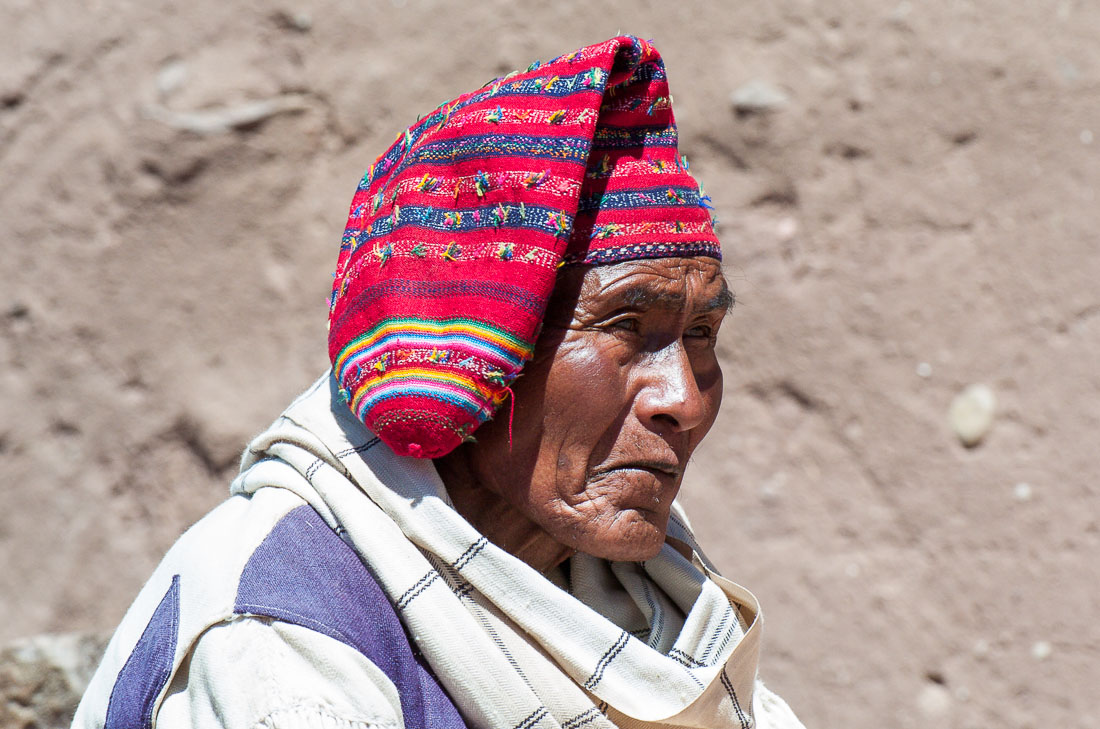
(586, 386)
(578, 419)
(709, 380)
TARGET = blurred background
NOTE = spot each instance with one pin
(905, 468)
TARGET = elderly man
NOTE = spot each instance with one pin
(393, 554)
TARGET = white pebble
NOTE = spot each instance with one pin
(1041, 650)
(172, 76)
(901, 12)
(773, 486)
(924, 370)
(301, 20)
(757, 96)
(981, 647)
(971, 414)
(786, 229)
(1022, 491)
(934, 701)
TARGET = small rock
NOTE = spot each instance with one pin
(756, 97)
(171, 78)
(772, 488)
(924, 370)
(934, 700)
(1041, 650)
(971, 414)
(1022, 491)
(1068, 70)
(902, 9)
(299, 20)
(786, 229)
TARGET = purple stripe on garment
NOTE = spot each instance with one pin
(147, 669)
(304, 574)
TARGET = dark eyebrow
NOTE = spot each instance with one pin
(644, 297)
(724, 300)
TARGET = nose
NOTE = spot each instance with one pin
(669, 397)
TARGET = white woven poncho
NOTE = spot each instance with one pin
(665, 642)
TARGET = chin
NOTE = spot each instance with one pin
(633, 542)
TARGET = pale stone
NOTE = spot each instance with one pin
(171, 78)
(786, 229)
(924, 370)
(1022, 491)
(971, 414)
(934, 701)
(1041, 650)
(301, 20)
(757, 96)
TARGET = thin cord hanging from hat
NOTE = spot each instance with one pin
(511, 414)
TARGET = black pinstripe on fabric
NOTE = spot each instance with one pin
(463, 590)
(746, 723)
(705, 656)
(472, 551)
(605, 660)
(677, 522)
(688, 663)
(418, 587)
(361, 448)
(313, 468)
(683, 658)
(455, 581)
(479, 612)
(656, 616)
(725, 640)
(426, 581)
(533, 718)
(581, 719)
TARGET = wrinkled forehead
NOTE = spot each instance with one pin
(681, 284)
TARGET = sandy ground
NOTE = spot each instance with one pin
(916, 212)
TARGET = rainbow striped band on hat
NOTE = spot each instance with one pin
(449, 361)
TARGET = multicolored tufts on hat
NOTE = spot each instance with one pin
(456, 233)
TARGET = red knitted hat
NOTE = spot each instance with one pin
(456, 233)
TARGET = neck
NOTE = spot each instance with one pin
(502, 523)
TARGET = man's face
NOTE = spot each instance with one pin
(623, 386)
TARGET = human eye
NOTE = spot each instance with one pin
(702, 332)
(624, 324)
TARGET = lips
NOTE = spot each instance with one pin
(667, 468)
